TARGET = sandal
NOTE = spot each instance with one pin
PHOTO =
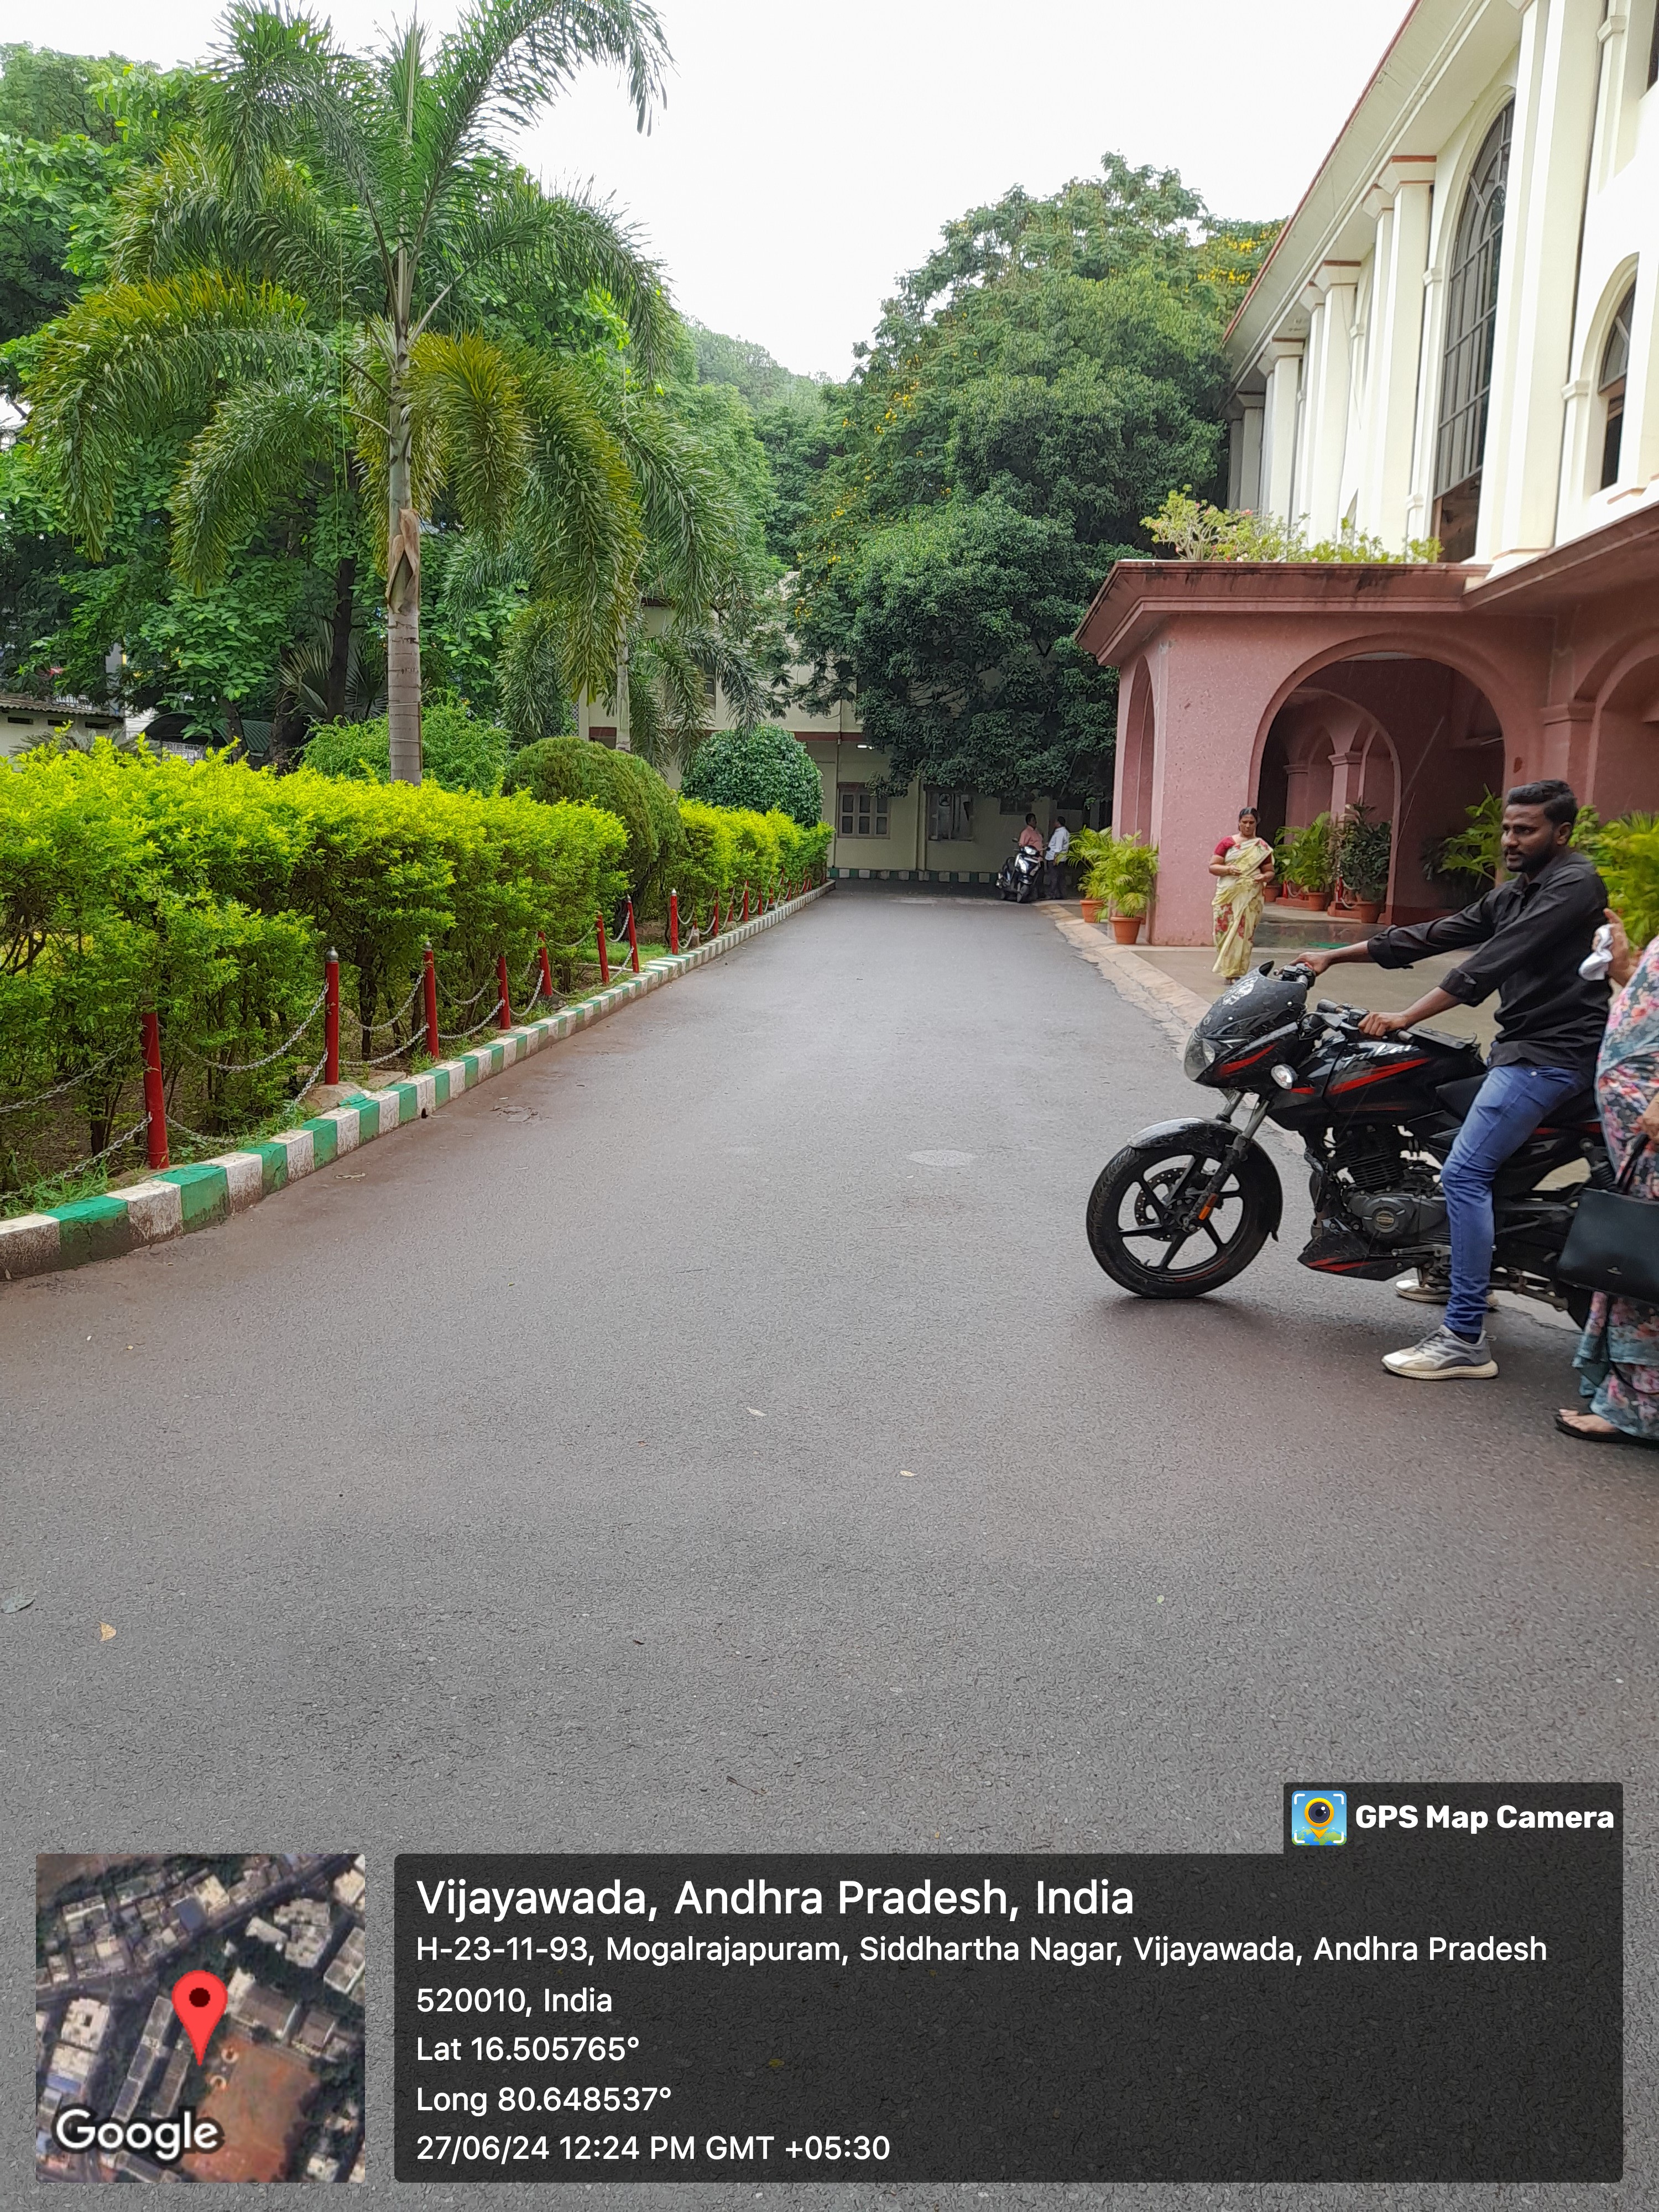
(1609, 1436)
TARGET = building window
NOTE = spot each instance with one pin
(1616, 360)
(1471, 329)
(863, 812)
(950, 817)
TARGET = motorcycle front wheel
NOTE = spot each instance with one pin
(1142, 1220)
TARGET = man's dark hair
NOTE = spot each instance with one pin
(1032, 819)
(1555, 798)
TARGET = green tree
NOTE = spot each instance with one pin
(762, 769)
(1031, 392)
(335, 239)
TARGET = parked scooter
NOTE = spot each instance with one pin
(1022, 875)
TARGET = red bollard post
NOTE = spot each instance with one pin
(605, 957)
(547, 968)
(506, 996)
(714, 925)
(674, 922)
(633, 937)
(430, 978)
(331, 1018)
(155, 1097)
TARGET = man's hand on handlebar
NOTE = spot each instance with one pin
(1384, 1025)
(1314, 963)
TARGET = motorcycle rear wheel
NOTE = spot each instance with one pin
(1141, 1185)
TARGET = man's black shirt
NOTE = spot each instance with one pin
(1531, 933)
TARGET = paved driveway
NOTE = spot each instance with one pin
(534, 1479)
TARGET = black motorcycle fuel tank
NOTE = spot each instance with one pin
(1397, 1078)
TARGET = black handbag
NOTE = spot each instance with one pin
(1613, 1242)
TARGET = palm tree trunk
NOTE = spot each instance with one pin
(403, 565)
(339, 642)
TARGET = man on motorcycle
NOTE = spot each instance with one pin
(1530, 932)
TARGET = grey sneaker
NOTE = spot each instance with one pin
(1444, 1358)
(1432, 1286)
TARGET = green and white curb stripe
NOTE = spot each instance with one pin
(180, 1200)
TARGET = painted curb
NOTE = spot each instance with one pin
(180, 1200)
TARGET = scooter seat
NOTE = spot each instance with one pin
(1577, 1112)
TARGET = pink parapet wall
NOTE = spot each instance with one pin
(1299, 687)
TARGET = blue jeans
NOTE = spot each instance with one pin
(1509, 1107)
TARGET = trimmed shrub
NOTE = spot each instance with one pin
(726, 848)
(759, 771)
(556, 768)
(457, 753)
(212, 892)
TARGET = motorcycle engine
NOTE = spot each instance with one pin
(1399, 1217)
(1393, 1199)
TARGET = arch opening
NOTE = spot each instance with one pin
(1415, 741)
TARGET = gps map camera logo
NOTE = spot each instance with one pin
(1319, 1816)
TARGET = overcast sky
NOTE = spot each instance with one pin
(808, 155)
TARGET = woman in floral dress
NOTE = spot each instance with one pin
(1618, 1358)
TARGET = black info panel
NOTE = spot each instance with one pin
(1437, 1997)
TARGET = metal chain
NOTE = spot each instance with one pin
(456, 1037)
(80, 1166)
(398, 1052)
(247, 1066)
(21, 1105)
(460, 1006)
(392, 1019)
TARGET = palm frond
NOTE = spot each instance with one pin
(534, 674)
(578, 523)
(254, 452)
(506, 59)
(468, 390)
(133, 360)
(691, 516)
(308, 667)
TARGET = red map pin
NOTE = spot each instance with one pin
(199, 2000)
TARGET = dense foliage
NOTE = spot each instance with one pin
(764, 769)
(199, 518)
(1033, 391)
(213, 891)
(556, 768)
(460, 752)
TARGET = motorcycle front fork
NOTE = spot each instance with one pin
(1206, 1198)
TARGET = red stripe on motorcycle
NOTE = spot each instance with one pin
(1380, 1074)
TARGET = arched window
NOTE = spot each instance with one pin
(1610, 386)
(1471, 329)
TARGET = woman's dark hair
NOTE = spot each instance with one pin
(1555, 798)
(1244, 811)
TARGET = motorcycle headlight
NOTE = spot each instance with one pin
(1200, 1056)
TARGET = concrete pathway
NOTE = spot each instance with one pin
(535, 1480)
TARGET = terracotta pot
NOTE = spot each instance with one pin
(1091, 909)
(1317, 901)
(1367, 909)
(1126, 927)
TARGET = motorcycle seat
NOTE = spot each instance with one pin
(1578, 1112)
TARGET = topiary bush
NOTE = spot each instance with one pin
(757, 770)
(556, 768)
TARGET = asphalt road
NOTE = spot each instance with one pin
(430, 1510)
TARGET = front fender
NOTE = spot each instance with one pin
(1255, 1167)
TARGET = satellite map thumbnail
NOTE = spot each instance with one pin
(274, 1944)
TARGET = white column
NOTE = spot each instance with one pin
(1249, 450)
(1329, 410)
(1279, 455)
(1549, 163)
(1308, 426)
(1639, 442)
(1400, 201)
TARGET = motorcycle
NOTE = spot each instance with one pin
(1022, 875)
(1187, 1205)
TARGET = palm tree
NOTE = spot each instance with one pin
(333, 249)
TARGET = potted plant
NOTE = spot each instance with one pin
(1085, 853)
(1125, 877)
(1364, 848)
(1310, 860)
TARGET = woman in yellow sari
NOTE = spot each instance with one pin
(1245, 864)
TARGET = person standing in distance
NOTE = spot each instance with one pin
(1059, 845)
(1527, 936)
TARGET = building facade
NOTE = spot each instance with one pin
(1455, 336)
